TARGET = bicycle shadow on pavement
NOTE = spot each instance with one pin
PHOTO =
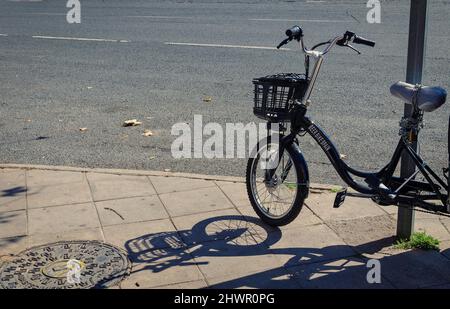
(231, 236)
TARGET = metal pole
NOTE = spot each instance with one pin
(416, 55)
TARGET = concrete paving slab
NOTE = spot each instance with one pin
(414, 268)
(85, 234)
(444, 247)
(57, 195)
(6, 169)
(13, 223)
(433, 227)
(418, 214)
(236, 192)
(142, 236)
(62, 218)
(109, 187)
(426, 215)
(12, 245)
(159, 258)
(353, 207)
(278, 278)
(220, 259)
(198, 284)
(210, 226)
(309, 244)
(12, 203)
(50, 188)
(38, 177)
(162, 269)
(391, 209)
(12, 190)
(306, 217)
(196, 201)
(177, 184)
(128, 210)
(445, 222)
(374, 233)
(349, 273)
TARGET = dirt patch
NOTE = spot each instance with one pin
(367, 235)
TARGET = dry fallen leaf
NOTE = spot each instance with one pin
(147, 133)
(83, 129)
(207, 99)
(131, 123)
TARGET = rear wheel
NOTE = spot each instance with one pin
(277, 192)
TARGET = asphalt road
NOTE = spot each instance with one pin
(49, 87)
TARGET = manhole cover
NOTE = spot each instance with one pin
(66, 265)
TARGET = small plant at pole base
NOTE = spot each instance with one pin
(336, 189)
(418, 240)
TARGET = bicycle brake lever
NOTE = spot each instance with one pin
(284, 42)
(351, 47)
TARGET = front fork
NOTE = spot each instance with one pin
(269, 173)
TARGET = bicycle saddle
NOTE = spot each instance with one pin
(428, 98)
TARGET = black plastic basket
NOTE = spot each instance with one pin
(275, 94)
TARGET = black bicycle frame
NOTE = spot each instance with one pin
(380, 183)
(383, 186)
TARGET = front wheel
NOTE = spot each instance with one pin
(277, 191)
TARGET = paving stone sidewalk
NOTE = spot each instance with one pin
(194, 231)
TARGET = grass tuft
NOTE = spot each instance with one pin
(336, 189)
(418, 240)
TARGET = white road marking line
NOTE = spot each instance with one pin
(301, 20)
(160, 17)
(77, 39)
(43, 13)
(2, 34)
(226, 46)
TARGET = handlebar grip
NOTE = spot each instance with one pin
(295, 33)
(363, 41)
(284, 42)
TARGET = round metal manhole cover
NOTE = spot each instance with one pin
(66, 265)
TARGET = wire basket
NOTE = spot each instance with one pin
(275, 95)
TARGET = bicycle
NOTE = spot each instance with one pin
(277, 192)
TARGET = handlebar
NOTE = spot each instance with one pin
(296, 33)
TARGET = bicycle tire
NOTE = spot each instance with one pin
(301, 190)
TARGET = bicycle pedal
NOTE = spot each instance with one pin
(340, 198)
